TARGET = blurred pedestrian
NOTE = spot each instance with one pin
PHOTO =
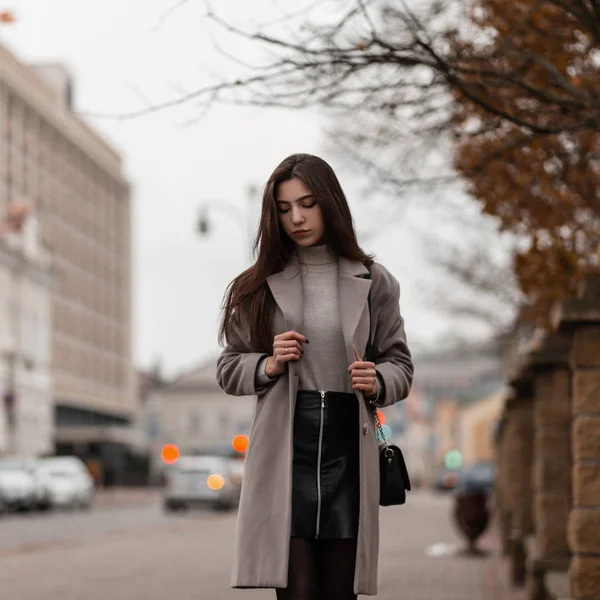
(95, 468)
(296, 324)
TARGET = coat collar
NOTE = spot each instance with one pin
(286, 287)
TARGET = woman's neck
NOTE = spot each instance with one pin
(315, 255)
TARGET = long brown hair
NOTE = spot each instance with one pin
(249, 293)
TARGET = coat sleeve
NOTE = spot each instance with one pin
(392, 357)
(237, 365)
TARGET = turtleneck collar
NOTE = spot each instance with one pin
(316, 255)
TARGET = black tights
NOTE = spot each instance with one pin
(320, 570)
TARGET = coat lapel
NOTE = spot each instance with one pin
(286, 287)
(354, 291)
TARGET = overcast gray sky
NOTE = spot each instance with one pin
(123, 54)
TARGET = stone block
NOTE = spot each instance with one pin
(583, 531)
(586, 347)
(552, 473)
(585, 577)
(552, 513)
(553, 402)
(586, 485)
(586, 438)
(553, 443)
(586, 391)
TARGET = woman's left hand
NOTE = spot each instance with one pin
(364, 376)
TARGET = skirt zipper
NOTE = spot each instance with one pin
(319, 465)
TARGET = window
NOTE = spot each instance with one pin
(194, 422)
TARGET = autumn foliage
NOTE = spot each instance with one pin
(7, 17)
(537, 171)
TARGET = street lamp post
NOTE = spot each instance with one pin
(243, 217)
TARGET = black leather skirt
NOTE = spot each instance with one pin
(325, 474)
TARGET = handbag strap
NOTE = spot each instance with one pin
(369, 350)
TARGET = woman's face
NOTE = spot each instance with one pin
(299, 214)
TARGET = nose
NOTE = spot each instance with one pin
(297, 216)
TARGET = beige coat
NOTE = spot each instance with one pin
(261, 549)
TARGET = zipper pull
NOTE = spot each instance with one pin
(322, 399)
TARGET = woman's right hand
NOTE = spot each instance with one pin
(286, 347)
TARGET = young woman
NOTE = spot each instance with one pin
(297, 325)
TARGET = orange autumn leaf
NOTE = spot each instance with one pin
(7, 17)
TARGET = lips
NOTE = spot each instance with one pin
(301, 232)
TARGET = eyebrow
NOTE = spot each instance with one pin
(298, 200)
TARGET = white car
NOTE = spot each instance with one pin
(30, 465)
(17, 486)
(68, 480)
(202, 480)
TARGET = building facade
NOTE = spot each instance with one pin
(478, 423)
(27, 411)
(55, 162)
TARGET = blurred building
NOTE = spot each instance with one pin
(449, 384)
(477, 427)
(192, 411)
(27, 410)
(446, 428)
(73, 178)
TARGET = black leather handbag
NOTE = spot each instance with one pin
(394, 481)
(393, 475)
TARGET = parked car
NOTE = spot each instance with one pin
(41, 498)
(225, 450)
(479, 476)
(17, 486)
(204, 481)
(68, 480)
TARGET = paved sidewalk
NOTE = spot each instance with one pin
(119, 496)
(419, 558)
(188, 556)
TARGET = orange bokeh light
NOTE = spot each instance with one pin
(215, 481)
(381, 417)
(240, 443)
(170, 453)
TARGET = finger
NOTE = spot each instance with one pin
(367, 380)
(289, 357)
(288, 351)
(361, 365)
(292, 335)
(356, 355)
(288, 344)
(364, 372)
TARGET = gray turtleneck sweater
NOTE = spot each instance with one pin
(323, 365)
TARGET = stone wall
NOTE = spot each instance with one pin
(548, 453)
(584, 518)
(514, 489)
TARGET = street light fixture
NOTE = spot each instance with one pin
(203, 222)
(242, 217)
